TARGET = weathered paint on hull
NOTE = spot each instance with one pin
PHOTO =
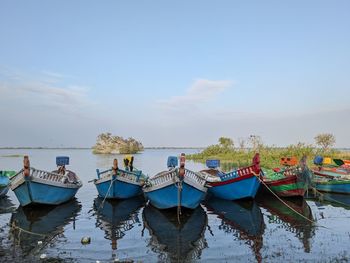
(118, 189)
(37, 193)
(167, 197)
(238, 188)
(287, 187)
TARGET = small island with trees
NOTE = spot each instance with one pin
(108, 144)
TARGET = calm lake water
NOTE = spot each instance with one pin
(261, 230)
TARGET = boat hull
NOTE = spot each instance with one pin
(287, 187)
(168, 196)
(236, 188)
(334, 186)
(31, 192)
(117, 189)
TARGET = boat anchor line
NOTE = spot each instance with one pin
(179, 192)
(13, 225)
(109, 189)
(307, 219)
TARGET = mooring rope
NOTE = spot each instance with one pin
(280, 199)
(179, 191)
(109, 189)
(13, 225)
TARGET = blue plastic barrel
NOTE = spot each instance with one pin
(318, 160)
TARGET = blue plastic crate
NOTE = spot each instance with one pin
(62, 160)
(212, 164)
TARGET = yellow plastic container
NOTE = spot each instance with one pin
(327, 160)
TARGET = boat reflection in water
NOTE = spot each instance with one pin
(176, 241)
(289, 220)
(242, 218)
(333, 199)
(41, 223)
(115, 217)
(6, 206)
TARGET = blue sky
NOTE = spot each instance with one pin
(180, 73)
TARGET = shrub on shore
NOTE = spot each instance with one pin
(270, 155)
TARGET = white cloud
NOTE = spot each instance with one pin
(201, 91)
(41, 91)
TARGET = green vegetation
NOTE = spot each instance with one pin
(270, 156)
(12, 155)
(325, 140)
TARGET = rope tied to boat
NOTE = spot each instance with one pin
(280, 199)
(179, 192)
(181, 175)
(109, 189)
(13, 225)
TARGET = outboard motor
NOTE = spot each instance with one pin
(212, 164)
(61, 162)
(172, 162)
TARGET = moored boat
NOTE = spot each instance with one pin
(116, 183)
(34, 186)
(331, 185)
(177, 187)
(5, 182)
(288, 181)
(237, 184)
(332, 168)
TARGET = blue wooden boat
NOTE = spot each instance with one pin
(116, 183)
(5, 182)
(331, 184)
(176, 241)
(177, 187)
(33, 186)
(237, 184)
(116, 217)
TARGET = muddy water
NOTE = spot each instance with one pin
(261, 230)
